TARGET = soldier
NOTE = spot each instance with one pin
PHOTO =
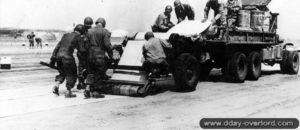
(220, 14)
(99, 45)
(63, 56)
(31, 39)
(38, 42)
(163, 22)
(233, 7)
(80, 43)
(154, 55)
(183, 10)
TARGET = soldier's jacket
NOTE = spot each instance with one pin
(153, 49)
(163, 21)
(99, 42)
(64, 49)
(233, 6)
(80, 42)
(183, 11)
(218, 6)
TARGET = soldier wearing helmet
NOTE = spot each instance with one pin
(183, 10)
(63, 57)
(220, 14)
(80, 42)
(154, 55)
(233, 8)
(99, 45)
(163, 21)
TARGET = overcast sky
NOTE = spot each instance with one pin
(131, 15)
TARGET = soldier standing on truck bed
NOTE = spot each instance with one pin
(183, 10)
(220, 14)
(154, 55)
(163, 21)
(233, 8)
(63, 56)
(81, 44)
(98, 62)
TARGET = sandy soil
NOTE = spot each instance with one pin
(27, 103)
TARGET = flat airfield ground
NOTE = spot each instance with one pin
(27, 101)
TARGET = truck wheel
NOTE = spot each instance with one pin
(237, 68)
(292, 62)
(186, 72)
(254, 66)
(283, 62)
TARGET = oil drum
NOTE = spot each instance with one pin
(257, 20)
(244, 18)
(125, 90)
(116, 90)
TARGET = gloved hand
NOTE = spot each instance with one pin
(52, 61)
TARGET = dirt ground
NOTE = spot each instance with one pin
(26, 101)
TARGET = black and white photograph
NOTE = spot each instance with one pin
(149, 64)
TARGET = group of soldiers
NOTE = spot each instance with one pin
(93, 51)
(31, 37)
(225, 14)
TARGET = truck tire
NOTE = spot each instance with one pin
(283, 62)
(186, 72)
(291, 64)
(237, 68)
(254, 66)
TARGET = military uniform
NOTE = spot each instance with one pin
(154, 55)
(99, 45)
(63, 53)
(184, 10)
(233, 7)
(31, 40)
(219, 9)
(38, 42)
(162, 23)
(80, 42)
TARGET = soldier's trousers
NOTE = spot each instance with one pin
(97, 72)
(67, 70)
(82, 68)
(156, 64)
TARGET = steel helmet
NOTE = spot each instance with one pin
(79, 28)
(88, 21)
(168, 8)
(177, 3)
(149, 35)
(102, 21)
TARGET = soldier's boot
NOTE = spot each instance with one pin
(69, 94)
(95, 94)
(87, 92)
(55, 89)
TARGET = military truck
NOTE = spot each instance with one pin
(240, 54)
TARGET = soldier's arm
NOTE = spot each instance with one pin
(165, 44)
(161, 22)
(57, 47)
(206, 10)
(107, 44)
(75, 42)
(191, 15)
(221, 11)
(178, 15)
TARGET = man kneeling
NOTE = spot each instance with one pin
(155, 58)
